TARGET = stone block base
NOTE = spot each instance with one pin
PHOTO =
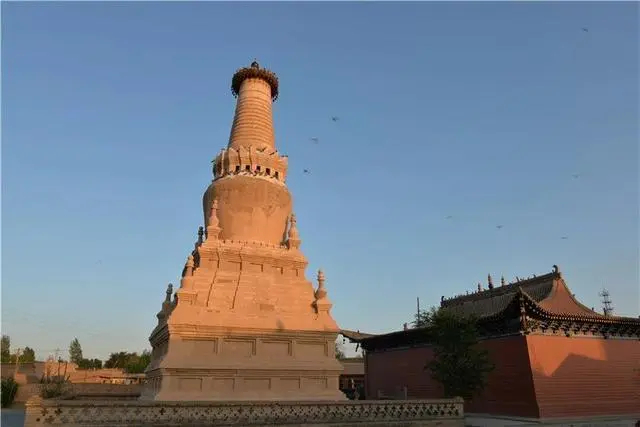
(237, 366)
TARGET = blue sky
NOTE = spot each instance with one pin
(112, 112)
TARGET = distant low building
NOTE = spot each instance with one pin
(353, 375)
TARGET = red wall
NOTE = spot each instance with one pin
(583, 376)
(536, 376)
(391, 370)
(509, 390)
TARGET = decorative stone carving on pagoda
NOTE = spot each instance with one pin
(245, 323)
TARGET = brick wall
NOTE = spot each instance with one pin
(583, 376)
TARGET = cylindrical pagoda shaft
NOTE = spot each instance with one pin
(253, 120)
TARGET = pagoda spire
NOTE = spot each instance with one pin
(256, 88)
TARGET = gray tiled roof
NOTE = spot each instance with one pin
(491, 301)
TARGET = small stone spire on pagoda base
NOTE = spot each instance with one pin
(213, 229)
(166, 304)
(247, 322)
(293, 237)
(322, 303)
(186, 293)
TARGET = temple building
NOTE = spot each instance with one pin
(554, 358)
(245, 323)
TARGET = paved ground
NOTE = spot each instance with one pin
(12, 418)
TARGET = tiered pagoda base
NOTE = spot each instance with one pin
(244, 327)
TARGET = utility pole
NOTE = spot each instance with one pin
(607, 307)
(58, 361)
(17, 361)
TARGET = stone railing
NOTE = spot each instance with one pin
(444, 413)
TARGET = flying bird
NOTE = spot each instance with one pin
(335, 118)
(306, 171)
(576, 175)
(584, 29)
(315, 140)
(449, 217)
(564, 237)
(499, 227)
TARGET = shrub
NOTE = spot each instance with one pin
(52, 387)
(9, 390)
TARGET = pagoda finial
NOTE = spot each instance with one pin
(502, 281)
(490, 281)
(293, 237)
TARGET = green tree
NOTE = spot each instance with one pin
(75, 351)
(28, 355)
(423, 318)
(90, 364)
(117, 360)
(137, 364)
(459, 364)
(6, 349)
(132, 363)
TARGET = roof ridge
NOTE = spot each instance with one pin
(575, 300)
(587, 316)
(496, 291)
